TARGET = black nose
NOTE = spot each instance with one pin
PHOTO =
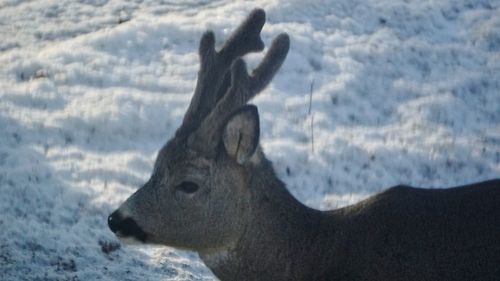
(114, 221)
(125, 227)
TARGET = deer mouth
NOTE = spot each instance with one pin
(126, 228)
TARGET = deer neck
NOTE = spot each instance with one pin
(282, 240)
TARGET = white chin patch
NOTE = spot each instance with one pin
(129, 240)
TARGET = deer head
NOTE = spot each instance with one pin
(197, 197)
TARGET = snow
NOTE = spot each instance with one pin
(403, 92)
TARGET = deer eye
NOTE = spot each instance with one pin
(187, 187)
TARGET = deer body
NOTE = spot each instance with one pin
(213, 191)
(403, 233)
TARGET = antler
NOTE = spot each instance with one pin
(243, 88)
(213, 77)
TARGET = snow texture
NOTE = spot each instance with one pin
(398, 92)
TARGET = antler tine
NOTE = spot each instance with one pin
(243, 88)
(212, 76)
(274, 58)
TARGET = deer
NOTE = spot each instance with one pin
(214, 192)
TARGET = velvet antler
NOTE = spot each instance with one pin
(243, 87)
(214, 76)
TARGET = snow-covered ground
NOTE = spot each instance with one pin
(402, 92)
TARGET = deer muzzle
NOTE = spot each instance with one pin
(125, 227)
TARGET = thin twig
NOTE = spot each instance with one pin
(311, 96)
(312, 133)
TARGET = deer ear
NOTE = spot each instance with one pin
(241, 134)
